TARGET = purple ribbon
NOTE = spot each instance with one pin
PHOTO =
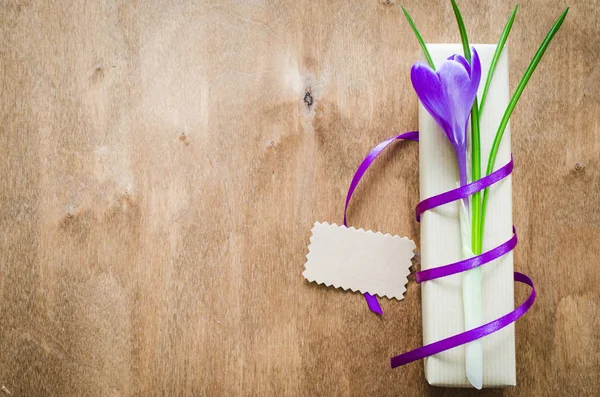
(468, 264)
(453, 268)
(362, 168)
(464, 191)
(470, 335)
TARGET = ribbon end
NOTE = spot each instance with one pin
(373, 304)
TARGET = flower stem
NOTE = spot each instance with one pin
(461, 158)
(471, 292)
(475, 142)
(476, 238)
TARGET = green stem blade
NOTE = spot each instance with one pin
(463, 32)
(475, 140)
(513, 102)
(476, 239)
(499, 48)
(419, 38)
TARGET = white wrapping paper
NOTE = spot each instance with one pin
(441, 243)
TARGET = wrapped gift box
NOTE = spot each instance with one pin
(441, 241)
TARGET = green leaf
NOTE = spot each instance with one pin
(499, 48)
(513, 102)
(463, 32)
(419, 38)
(476, 240)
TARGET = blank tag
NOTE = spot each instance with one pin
(359, 260)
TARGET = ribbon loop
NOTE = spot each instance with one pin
(360, 172)
(366, 163)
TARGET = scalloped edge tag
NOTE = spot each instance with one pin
(359, 260)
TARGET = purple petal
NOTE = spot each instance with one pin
(456, 85)
(462, 60)
(429, 90)
(475, 73)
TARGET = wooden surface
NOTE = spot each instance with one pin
(162, 163)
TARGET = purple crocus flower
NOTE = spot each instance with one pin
(448, 95)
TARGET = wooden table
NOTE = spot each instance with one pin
(162, 164)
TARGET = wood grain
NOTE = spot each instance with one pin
(162, 163)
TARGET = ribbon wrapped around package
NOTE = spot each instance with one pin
(441, 239)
